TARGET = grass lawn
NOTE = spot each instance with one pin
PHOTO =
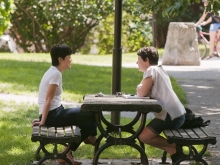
(21, 74)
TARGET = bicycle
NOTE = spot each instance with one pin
(203, 42)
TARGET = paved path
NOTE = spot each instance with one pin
(202, 86)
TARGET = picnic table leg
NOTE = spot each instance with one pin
(144, 159)
(119, 141)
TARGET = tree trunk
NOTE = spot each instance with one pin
(181, 46)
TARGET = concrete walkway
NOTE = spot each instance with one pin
(202, 86)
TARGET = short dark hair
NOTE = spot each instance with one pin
(149, 52)
(61, 50)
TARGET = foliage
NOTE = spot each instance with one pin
(43, 23)
(6, 8)
(136, 31)
(170, 8)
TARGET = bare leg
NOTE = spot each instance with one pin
(212, 43)
(69, 156)
(90, 140)
(149, 137)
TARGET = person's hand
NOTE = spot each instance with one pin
(138, 87)
(36, 122)
(196, 25)
(203, 23)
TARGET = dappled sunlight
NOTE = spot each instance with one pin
(15, 151)
(193, 86)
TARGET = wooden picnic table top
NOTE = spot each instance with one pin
(119, 103)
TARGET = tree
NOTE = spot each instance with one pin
(6, 8)
(171, 8)
(174, 11)
(39, 24)
(136, 31)
(192, 14)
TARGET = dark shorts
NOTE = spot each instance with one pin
(158, 125)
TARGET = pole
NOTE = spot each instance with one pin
(117, 58)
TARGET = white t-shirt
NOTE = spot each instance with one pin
(163, 92)
(51, 76)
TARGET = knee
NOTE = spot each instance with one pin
(90, 126)
(143, 138)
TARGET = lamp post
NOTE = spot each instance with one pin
(117, 58)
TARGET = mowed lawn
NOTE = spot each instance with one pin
(89, 74)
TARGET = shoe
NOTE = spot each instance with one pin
(216, 54)
(210, 56)
(174, 157)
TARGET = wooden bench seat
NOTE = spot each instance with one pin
(189, 138)
(56, 136)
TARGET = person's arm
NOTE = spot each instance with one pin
(207, 22)
(202, 17)
(49, 97)
(145, 87)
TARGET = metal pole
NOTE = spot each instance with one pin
(117, 58)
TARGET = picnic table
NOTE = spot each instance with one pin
(99, 104)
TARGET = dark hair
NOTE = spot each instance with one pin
(149, 52)
(61, 51)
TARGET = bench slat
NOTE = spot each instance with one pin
(35, 131)
(168, 133)
(43, 131)
(76, 131)
(199, 132)
(60, 132)
(176, 133)
(51, 132)
(190, 133)
(68, 131)
(183, 133)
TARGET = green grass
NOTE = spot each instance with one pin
(17, 148)
(15, 129)
(21, 74)
(77, 58)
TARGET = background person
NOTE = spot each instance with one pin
(156, 84)
(51, 111)
(212, 29)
